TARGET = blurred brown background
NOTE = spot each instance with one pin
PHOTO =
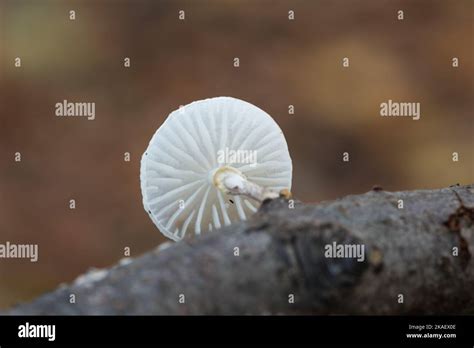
(175, 62)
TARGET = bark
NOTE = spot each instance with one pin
(408, 252)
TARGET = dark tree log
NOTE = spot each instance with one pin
(408, 251)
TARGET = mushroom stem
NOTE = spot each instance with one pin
(231, 181)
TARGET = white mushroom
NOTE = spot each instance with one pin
(212, 162)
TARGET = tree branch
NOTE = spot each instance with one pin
(408, 252)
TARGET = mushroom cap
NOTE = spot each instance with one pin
(194, 141)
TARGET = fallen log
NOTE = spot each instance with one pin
(286, 260)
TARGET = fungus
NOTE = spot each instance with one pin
(207, 154)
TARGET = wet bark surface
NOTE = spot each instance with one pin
(422, 251)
